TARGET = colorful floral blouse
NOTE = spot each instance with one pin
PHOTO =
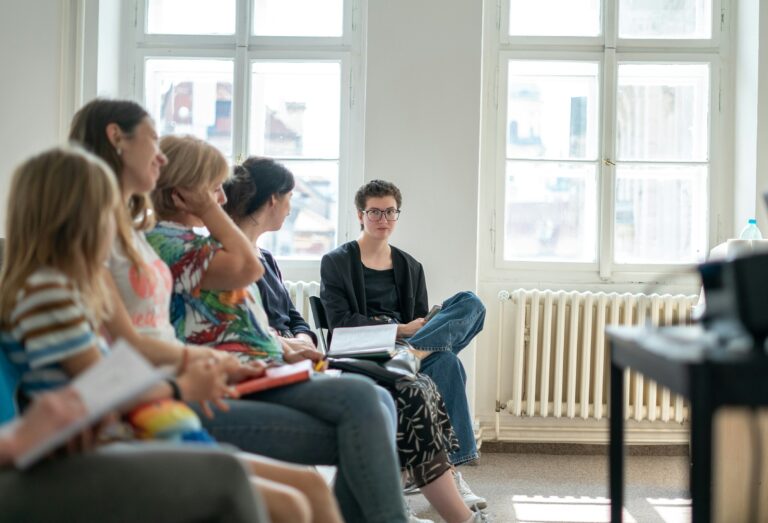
(228, 320)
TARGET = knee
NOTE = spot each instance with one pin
(314, 485)
(445, 362)
(473, 302)
(447, 358)
(290, 505)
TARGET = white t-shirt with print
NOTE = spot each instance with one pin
(146, 292)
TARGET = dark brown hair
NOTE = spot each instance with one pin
(377, 189)
(253, 184)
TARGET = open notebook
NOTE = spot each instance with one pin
(373, 341)
(115, 381)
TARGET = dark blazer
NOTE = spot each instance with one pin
(342, 287)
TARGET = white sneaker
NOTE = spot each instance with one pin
(471, 499)
(413, 518)
(410, 491)
(480, 517)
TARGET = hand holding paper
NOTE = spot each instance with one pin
(56, 417)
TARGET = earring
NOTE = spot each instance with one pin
(119, 151)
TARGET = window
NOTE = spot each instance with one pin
(261, 77)
(606, 114)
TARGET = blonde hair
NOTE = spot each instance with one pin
(58, 209)
(192, 164)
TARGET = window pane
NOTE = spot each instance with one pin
(550, 211)
(190, 96)
(665, 18)
(663, 112)
(191, 17)
(661, 214)
(552, 110)
(298, 17)
(295, 109)
(310, 229)
(573, 17)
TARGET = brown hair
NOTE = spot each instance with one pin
(89, 129)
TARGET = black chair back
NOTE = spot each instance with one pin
(320, 320)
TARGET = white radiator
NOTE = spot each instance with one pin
(300, 291)
(553, 350)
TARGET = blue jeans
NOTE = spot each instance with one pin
(325, 421)
(452, 329)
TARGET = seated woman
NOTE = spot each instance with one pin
(368, 281)
(210, 305)
(259, 200)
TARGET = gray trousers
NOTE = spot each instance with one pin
(131, 483)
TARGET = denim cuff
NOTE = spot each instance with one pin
(464, 459)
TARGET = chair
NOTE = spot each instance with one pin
(9, 374)
(321, 321)
(9, 381)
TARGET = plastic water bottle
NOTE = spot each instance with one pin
(751, 232)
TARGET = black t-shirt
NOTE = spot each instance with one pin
(381, 293)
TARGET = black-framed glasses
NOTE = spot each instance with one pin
(390, 214)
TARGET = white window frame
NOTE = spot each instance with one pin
(608, 51)
(243, 49)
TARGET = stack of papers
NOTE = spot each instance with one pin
(374, 341)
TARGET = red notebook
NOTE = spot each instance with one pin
(277, 377)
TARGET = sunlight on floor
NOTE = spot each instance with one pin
(675, 510)
(546, 509)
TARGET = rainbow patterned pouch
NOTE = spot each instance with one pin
(168, 420)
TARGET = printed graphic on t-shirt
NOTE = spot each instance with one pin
(151, 282)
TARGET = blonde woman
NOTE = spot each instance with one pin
(210, 306)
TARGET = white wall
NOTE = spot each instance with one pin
(750, 88)
(422, 124)
(422, 129)
(30, 43)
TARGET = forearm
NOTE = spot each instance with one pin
(307, 336)
(7, 447)
(161, 352)
(231, 238)
(158, 352)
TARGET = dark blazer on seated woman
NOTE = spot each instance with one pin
(282, 314)
(342, 287)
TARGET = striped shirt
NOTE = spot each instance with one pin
(49, 324)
